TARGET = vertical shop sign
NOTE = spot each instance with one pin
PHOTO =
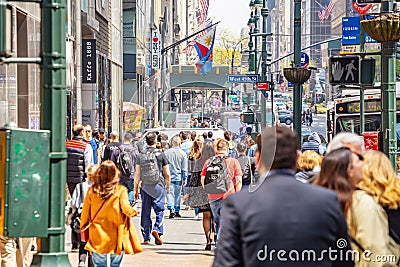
(155, 50)
(89, 61)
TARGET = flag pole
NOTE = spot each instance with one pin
(186, 38)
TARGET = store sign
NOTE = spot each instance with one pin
(89, 61)
(155, 50)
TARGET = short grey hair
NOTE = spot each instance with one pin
(176, 140)
(345, 138)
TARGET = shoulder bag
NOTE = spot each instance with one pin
(85, 229)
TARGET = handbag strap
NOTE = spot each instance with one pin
(91, 220)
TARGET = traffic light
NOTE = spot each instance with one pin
(252, 63)
(248, 117)
(269, 56)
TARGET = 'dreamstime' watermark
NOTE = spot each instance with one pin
(330, 254)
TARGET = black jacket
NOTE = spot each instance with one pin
(76, 159)
(282, 214)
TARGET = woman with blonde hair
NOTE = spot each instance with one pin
(309, 166)
(375, 211)
(106, 213)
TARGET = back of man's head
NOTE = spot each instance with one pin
(343, 139)
(128, 138)
(176, 141)
(77, 130)
(279, 148)
(210, 134)
(241, 148)
(151, 138)
(114, 135)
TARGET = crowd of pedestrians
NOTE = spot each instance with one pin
(254, 196)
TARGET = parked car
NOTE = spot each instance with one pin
(285, 116)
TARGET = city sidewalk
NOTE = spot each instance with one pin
(183, 245)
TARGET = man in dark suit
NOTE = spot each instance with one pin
(282, 221)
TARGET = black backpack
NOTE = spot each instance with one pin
(125, 161)
(216, 180)
(149, 171)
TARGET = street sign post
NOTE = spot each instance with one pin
(249, 78)
(344, 70)
(263, 86)
(304, 60)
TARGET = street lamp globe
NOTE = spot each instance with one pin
(251, 22)
(258, 3)
(252, 5)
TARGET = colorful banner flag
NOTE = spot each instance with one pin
(204, 46)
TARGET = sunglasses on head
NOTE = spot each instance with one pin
(360, 157)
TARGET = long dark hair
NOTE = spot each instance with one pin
(334, 175)
(207, 152)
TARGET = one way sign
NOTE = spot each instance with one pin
(344, 70)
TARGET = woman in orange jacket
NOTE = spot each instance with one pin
(106, 212)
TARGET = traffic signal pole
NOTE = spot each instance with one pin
(362, 92)
(388, 74)
(53, 114)
(297, 87)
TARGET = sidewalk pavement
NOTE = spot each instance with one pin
(183, 245)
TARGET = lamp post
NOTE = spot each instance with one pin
(261, 5)
(297, 75)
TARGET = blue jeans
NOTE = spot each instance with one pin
(101, 260)
(174, 196)
(129, 184)
(153, 196)
(216, 206)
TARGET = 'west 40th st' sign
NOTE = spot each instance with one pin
(249, 78)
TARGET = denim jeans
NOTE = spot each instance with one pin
(153, 196)
(216, 206)
(129, 184)
(107, 260)
(174, 196)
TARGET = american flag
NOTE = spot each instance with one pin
(203, 10)
(189, 48)
(328, 9)
(321, 15)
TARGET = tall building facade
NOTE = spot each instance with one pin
(20, 83)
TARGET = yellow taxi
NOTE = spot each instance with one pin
(321, 108)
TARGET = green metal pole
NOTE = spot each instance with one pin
(54, 118)
(264, 14)
(297, 87)
(256, 31)
(3, 30)
(388, 74)
(362, 93)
